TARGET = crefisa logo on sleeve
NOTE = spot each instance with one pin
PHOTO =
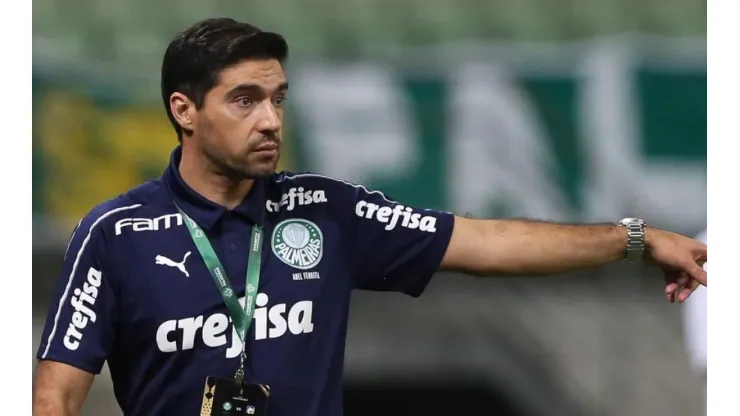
(82, 301)
(396, 215)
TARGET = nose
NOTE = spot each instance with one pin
(269, 121)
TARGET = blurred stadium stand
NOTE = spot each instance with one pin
(127, 38)
(601, 343)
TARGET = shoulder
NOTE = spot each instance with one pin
(286, 180)
(315, 194)
(101, 219)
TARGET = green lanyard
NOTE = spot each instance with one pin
(242, 318)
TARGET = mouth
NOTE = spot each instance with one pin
(266, 149)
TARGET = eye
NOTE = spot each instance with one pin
(280, 99)
(244, 101)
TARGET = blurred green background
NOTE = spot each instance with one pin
(574, 110)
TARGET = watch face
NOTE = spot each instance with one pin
(628, 221)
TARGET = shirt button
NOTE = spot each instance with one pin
(232, 247)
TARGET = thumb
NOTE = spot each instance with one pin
(696, 272)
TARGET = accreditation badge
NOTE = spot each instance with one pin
(227, 396)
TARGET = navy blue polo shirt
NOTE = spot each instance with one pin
(135, 292)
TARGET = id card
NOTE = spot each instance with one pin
(227, 397)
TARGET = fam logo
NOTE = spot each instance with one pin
(297, 197)
(298, 243)
(149, 224)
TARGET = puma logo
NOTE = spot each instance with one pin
(171, 263)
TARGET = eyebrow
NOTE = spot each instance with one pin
(254, 88)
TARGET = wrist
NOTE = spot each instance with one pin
(649, 234)
(637, 238)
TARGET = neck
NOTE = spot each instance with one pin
(200, 175)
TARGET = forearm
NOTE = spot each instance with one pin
(59, 389)
(49, 403)
(519, 247)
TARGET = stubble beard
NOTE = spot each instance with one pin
(238, 172)
(235, 172)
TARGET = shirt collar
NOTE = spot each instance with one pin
(207, 213)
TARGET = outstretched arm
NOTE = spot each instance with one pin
(520, 247)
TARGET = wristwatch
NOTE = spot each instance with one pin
(635, 238)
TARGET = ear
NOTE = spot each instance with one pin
(183, 110)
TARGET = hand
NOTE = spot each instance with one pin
(681, 259)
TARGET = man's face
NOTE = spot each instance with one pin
(239, 126)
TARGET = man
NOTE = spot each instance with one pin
(151, 278)
(694, 313)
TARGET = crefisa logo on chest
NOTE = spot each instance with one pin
(270, 321)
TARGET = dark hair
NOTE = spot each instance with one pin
(197, 55)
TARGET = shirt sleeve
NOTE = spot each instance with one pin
(395, 247)
(79, 328)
